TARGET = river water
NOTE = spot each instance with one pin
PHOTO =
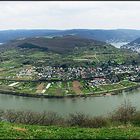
(94, 106)
(118, 44)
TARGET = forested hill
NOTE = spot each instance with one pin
(63, 44)
(118, 35)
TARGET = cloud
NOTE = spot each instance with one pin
(69, 14)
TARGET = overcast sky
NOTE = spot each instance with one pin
(69, 15)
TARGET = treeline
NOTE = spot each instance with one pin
(124, 115)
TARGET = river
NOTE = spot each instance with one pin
(94, 106)
(118, 44)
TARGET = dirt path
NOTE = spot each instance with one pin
(76, 86)
(40, 88)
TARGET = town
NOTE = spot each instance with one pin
(61, 81)
(71, 73)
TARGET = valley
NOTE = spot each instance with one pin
(69, 70)
(69, 66)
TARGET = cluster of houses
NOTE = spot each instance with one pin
(65, 73)
(124, 69)
(30, 71)
(98, 75)
(98, 81)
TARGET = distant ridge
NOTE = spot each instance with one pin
(116, 35)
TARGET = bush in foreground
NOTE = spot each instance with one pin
(126, 113)
(82, 120)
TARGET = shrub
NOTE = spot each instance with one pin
(1, 114)
(28, 117)
(82, 120)
(97, 122)
(77, 119)
(136, 119)
(52, 118)
(124, 113)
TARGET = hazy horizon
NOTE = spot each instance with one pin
(66, 29)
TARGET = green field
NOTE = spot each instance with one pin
(59, 88)
(18, 131)
(64, 88)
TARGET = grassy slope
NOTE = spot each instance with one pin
(15, 131)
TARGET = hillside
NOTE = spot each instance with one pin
(18, 131)
(69, 50)
(134, 45)
(118, 35)
(65, 44)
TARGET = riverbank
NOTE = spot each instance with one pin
(116, 91)
(19, 131)
(95, 94)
